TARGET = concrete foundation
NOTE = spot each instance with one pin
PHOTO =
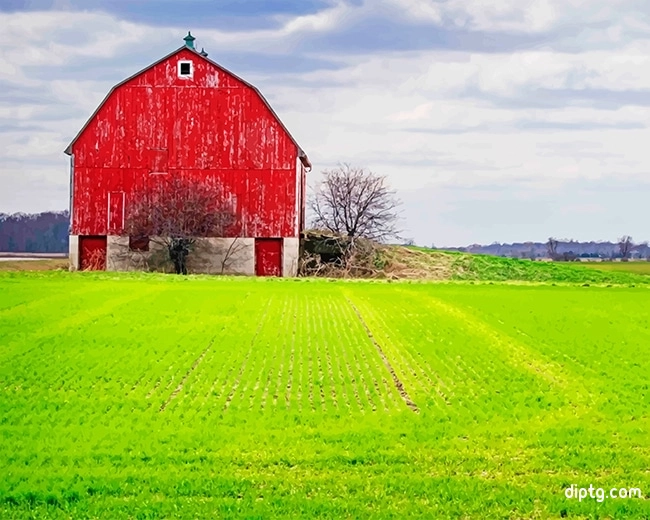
(209, 256)
(223, 256)
(73, 253)
(290, 256)
(120, 258)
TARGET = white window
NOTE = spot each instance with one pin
(185, 69)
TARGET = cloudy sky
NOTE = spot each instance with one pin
(500, 120)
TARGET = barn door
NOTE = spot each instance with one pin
(268, 256)
(115, 222)
(92, 253)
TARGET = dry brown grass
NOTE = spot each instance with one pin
(47, 264)
(372, 260)
(405, 263)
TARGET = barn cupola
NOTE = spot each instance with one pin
(189, 40)
(203, 53)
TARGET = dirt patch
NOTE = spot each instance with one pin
(54, 264)
(396, 380)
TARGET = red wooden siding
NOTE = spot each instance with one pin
(212, 128)
(200, 128)
(263, 199)
(268, 256)
(158, 160)
(92, 253)
(115, 219)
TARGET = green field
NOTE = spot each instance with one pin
(623, 267)
(150, 396)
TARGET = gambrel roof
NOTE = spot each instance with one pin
(301, 154)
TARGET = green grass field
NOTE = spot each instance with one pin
(150, 396)
(623, 267)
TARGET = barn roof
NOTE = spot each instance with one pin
(301, 153)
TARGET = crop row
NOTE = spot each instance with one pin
(306, 354)
(158, 352)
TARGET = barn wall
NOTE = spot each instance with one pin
(261, 198)
(196, 128)
(212, 128)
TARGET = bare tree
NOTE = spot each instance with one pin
(551, 247)
(177, 212)
(231, 253)
(355, 203)
(625, 246)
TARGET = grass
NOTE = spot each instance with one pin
(642, 268)
(148, 396)
(483, 267)
(415, 262)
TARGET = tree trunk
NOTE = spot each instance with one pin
(178, 251)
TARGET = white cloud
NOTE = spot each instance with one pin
(55, 38)
(85, 95)
(28, 145)
(414, 10)
(437, 121)
(507, 15)
(421, 111)
(324, 20)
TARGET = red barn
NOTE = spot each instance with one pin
(185, 115)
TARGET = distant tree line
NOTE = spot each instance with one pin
(35, 233)
(563, 249)
(624, 249)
